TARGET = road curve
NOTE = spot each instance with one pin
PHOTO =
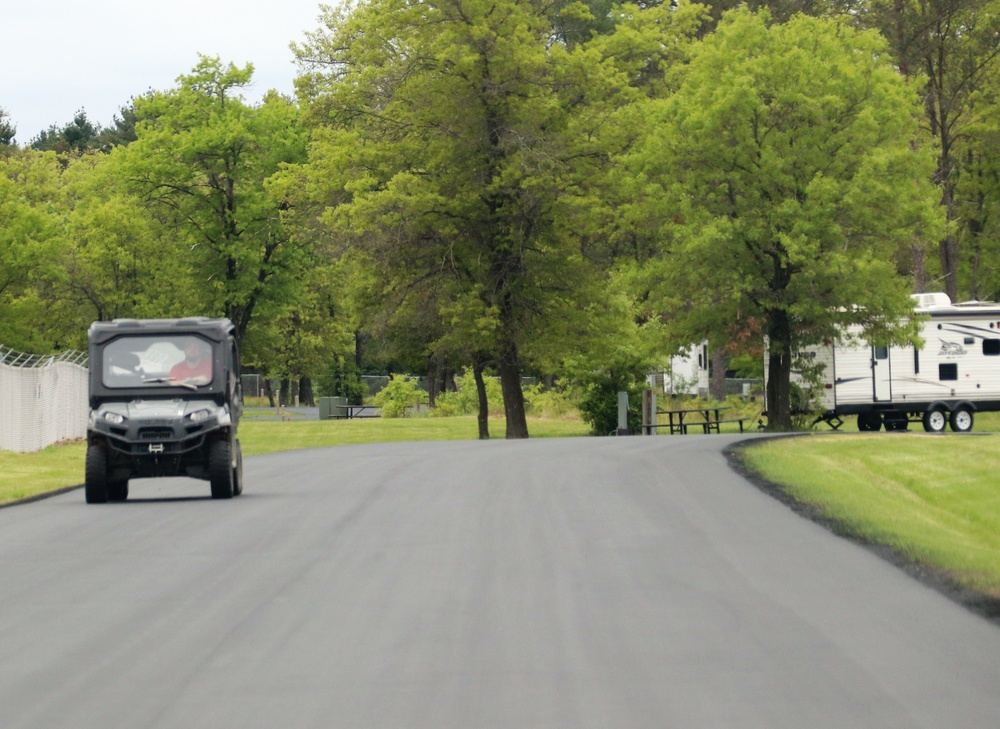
(580, 583)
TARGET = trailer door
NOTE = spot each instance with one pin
(881, 374)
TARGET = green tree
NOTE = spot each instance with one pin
(8, 130)
(953, 48)
(199, 164)
(32, 245)
(451, 142)
(77, 136)
(781, 176)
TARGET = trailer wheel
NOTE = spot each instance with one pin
(961, 419)
(935, 420)
(869, 421)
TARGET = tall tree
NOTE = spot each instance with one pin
(954, 47)
(77, 136)
(32, 245)
(199, 163)
(8, 130)
(784, 170)
(447, 143)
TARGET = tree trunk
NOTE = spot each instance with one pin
(513, 396)
(483, 415)
(358, 350)
(717, 374)
(919, 269)
(779, 359)
(306, 392)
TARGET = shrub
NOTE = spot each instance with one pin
(465, 400)
(393, 399)
(552, 403)
(599, 406)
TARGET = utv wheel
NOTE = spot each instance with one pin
(238, 471)
(935, 420)
(961, 419)
(118, 491)
(96, 474)
(220, 469)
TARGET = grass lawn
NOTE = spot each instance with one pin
(933, 499)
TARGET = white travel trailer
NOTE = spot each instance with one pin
(955, 374)
(688, 372)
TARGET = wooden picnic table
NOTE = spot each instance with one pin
(678, 421)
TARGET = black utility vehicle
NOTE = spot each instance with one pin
(165, 400)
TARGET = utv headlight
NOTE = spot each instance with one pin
(114, 418)
(199, 416)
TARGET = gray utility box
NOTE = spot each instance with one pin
(332, 407)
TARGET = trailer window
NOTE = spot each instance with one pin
(991, 347)
(916, 361)
(881, 353)
(948, 371)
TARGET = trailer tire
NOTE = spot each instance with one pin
(935, 420)
(869, 421)
(961, 419)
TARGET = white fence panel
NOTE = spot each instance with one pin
(42, 405)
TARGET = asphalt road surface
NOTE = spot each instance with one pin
(611, 583)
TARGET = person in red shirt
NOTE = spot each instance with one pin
(196, 367)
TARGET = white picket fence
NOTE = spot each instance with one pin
(43, 399)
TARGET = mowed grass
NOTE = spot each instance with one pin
(23, 475)
(934, 499)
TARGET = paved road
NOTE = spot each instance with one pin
(578, 583)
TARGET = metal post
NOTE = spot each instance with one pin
(623, 414)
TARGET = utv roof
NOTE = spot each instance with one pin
(218, 329)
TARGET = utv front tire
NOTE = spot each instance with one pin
(220, 469)
(118, 491)
(96, 474)
(238, 471)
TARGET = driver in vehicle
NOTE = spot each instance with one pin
(196, 367)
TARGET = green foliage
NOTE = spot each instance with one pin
(77, 136)
(396, 398)
(199, 164)
(8, 130)
(599, 404)
(465, 400)
(552, 403)
(342, 379)
(782, 176)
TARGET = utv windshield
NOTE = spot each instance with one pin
(173, 360)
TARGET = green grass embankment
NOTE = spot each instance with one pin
(933, 499)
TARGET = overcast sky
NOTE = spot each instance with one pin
(58, 56)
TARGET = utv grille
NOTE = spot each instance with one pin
(155, 434)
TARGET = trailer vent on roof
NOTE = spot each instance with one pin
(926, 301)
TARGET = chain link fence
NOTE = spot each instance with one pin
(43, 399)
